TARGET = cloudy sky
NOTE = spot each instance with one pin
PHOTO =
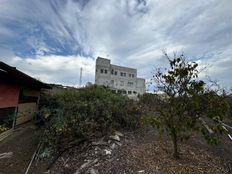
(51, 39)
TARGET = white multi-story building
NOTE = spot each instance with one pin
(120, 79)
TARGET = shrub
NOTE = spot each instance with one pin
(84, 114)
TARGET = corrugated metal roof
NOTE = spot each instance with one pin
(16, 76)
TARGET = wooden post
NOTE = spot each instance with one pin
(14, 119)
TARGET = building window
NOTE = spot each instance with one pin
(119, 91)
(134, 92)
(124, 91)
(115, 72)
(102, 71)
(122, 83)
(112, 71)
(105, 71)
(129, 75)
(129, 92)
(123, 74)
(130, 83)
(132, 75)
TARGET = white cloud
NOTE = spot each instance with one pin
(56, 69)
(129, 32)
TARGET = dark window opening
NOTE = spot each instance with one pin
(6, 117)
(28, 99)
(130, 83)
(119, 91)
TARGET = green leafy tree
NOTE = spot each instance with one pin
(185, 105)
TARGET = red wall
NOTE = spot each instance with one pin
(8, 95)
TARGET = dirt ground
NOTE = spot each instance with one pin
(143, 152)
(23, 145)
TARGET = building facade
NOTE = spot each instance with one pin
(19, 95)
(120, 79)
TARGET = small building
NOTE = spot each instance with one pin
(19, 95)
(120, 79)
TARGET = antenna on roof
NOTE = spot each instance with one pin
(80, 76)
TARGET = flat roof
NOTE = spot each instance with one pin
(124, 67)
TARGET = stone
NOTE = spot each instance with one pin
(119, 144)
(118, 133)
(113, 146)
(141, 171)
(108, 152)
(115, 137)
(92, 171)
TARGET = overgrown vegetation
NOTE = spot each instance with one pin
(83, 114)
(185, 105)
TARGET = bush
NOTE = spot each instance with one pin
(85, 114)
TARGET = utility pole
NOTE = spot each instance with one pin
(80, 76)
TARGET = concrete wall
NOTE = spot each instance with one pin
(27, 110)
(102, 73)
(118, 78)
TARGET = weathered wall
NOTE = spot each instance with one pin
(102, 78)
(8, 95)
(113, 78)
(31, 92)
(27, 108)
(26, 112)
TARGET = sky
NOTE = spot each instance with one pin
(52, 39)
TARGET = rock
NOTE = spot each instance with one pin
(141, 171)
(118, 133)
(118, 143)
(108, 152)
(113, 146)
(115, 137)
(100, 142)
(92, 171)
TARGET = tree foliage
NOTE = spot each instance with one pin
(185, 104)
